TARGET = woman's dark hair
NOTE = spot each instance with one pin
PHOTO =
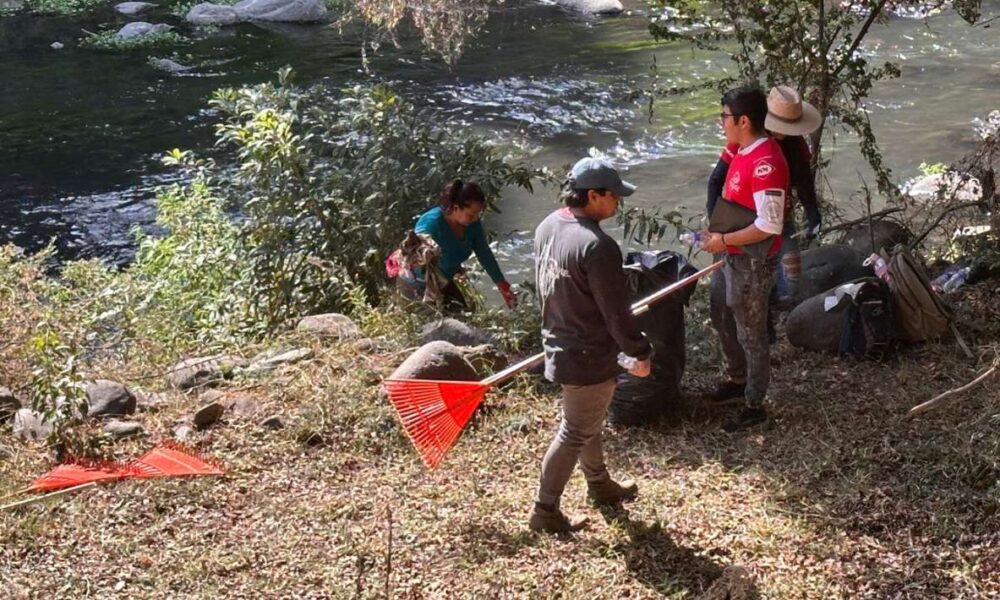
(459, 194)
(575, 198)
(749, 101)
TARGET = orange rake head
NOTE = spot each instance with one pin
(79, 472)
(170, 459)
(434, 412)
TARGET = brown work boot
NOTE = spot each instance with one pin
(554, 521)
(611, 492)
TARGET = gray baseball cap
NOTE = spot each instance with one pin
(591, 173)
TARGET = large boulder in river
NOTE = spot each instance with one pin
(133, 8)
(828, 266)
(887, 235)
(141, 28)
(212, 14)
(593, 7)
(281, 11)
(454, 331)
(109, 398)
(437, 360)
(946, 186)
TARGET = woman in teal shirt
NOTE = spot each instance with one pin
(456, 228)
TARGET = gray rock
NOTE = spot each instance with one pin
(485, 358)
(208, 415)
(887, 235)
(141, 28)
(366, 345)
(57, 45)
(272, 423)
(593, 7)
(8, 404)
(209, 396)
(206, 370)
(121, 429)
(150, 402)
(133, 8)
(183, 433)
(212, 14)
(829, 266)
(170, 66)
(107, 398)
(31, 425)
(454, 331)
(437, 360)
(330, 324)
(947, 186)
(282, 11)
(268, 361)
(243, 406)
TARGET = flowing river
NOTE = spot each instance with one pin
(81, 132)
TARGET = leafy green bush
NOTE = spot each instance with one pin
(330, 185)
(60, 7)
(195, 289)
(108, 40)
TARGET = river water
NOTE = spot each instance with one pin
(81, 132)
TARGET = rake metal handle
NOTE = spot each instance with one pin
(638, 308)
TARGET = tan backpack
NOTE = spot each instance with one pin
(920, 313)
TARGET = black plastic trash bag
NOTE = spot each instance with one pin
(643, 400)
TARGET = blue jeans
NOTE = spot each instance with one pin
(789, 265)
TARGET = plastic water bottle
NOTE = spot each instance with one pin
(627, 362)
(938, 284)
(691, 238)
(881, 267)
(956, 281)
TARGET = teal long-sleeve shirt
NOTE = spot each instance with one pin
(455, 251)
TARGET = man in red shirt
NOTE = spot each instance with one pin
(757, 185)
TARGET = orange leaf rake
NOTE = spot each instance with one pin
(434, 412)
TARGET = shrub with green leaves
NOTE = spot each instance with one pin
(329, 185)
(59, 7)
(108, 40)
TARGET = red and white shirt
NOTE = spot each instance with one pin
(758, 180)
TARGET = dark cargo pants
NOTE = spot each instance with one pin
(739, 306)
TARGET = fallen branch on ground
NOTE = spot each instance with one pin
(938, 400)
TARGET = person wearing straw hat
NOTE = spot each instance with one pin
(746, 225)
(586, 320)
(789, 118)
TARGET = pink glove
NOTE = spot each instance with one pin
(508, 294)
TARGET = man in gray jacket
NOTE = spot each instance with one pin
(586, 319)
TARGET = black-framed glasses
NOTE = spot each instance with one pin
(723, 115)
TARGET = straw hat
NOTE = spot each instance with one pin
(789, 114)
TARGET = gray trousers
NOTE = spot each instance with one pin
(584, 408)
(739, 300)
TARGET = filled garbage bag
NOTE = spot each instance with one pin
(643, 400)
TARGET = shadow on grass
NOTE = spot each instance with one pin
(663, 566)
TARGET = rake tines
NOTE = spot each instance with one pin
(433, 412)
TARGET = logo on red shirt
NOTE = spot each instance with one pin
(762, 170)
(734, 182)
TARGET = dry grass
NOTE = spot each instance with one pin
(840, 497)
